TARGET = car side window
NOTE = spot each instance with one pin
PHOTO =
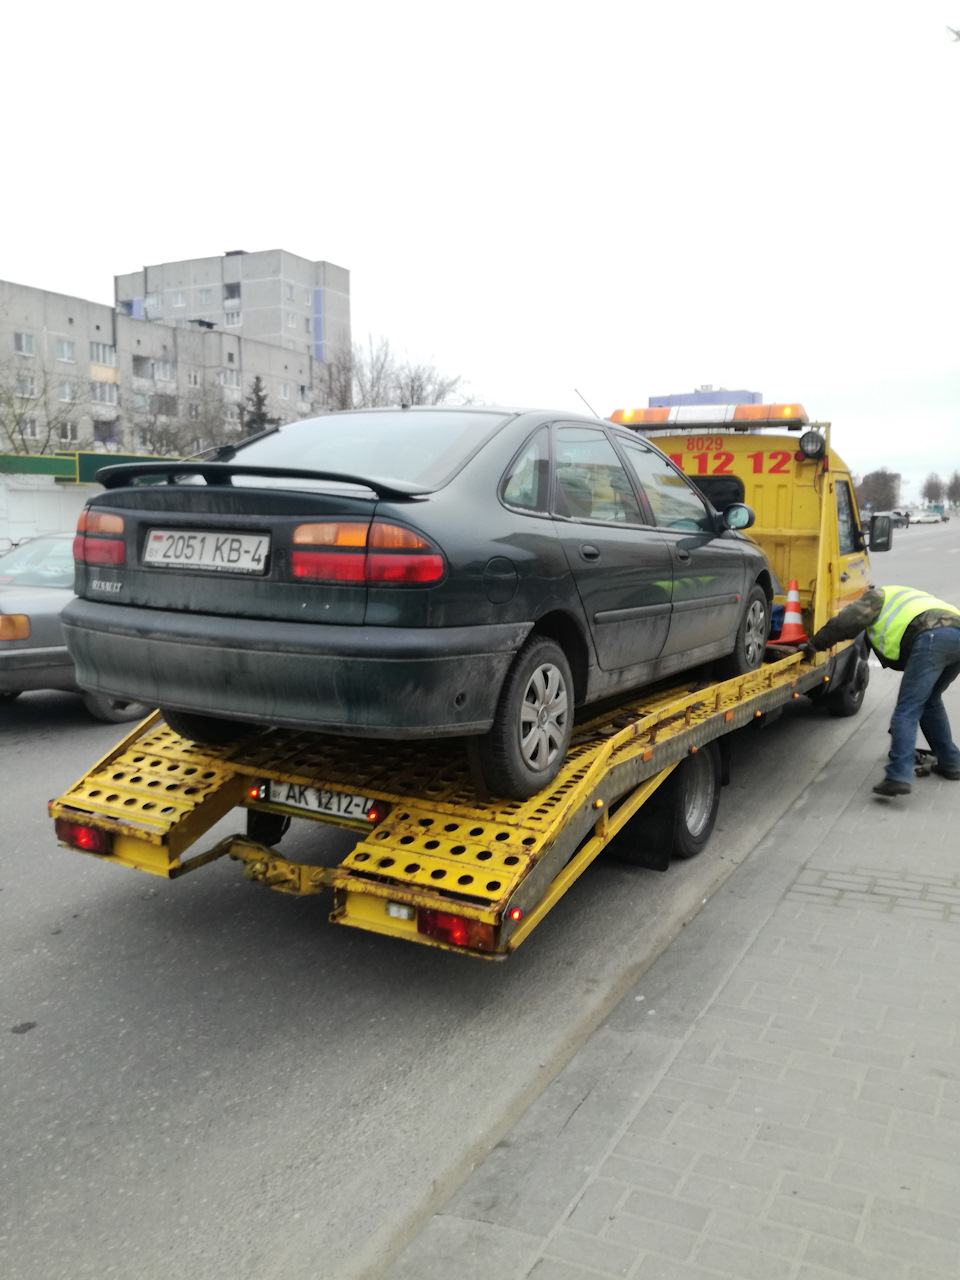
(527, 482)
(591, 481)
(846, 521)
(675, 504)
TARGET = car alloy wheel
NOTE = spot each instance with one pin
(533, 724)
(755, 633)
(543, 717)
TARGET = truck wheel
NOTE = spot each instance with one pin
(848, 699)
(683, 811)
(751, 637)
(266, 828)
(208, 729)
(526, 747)
(114, 710)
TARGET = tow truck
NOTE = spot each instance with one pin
(439, 861)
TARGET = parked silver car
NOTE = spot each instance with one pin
(36, 581)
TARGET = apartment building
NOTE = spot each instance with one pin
(273, 296)
(150, 375)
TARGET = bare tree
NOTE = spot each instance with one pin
(39, 409)
(366, 378)
(932, 488)
(877, 489)
(953, 488)
(172, 426)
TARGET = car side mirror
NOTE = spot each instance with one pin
(738, 516)
(881, 533)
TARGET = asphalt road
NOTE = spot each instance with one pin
(204, 1079)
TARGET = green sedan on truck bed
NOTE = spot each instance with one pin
(414, 572)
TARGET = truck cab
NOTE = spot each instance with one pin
(773, 458)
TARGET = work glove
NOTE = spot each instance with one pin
(808, 651)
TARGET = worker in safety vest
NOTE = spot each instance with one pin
(919, 635)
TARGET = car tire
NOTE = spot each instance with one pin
(533, 724)
(848, 698)
(752, 636)
(205, 729)
(114, 710)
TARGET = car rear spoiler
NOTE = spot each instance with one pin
(215, 473)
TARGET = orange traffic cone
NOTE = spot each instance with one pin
(792, 630)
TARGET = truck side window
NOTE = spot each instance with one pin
(846, 520)
(675, 503)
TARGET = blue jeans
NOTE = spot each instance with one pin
(934, 663)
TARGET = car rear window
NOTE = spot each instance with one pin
(417, 447)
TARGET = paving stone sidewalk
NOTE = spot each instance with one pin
(779, 1096)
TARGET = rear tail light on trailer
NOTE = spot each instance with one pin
(99, 538)
(88, 839)
(347, 551)
(457, 931)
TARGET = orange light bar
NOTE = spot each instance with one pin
(688, 415)
(770, 413)
(639, 417)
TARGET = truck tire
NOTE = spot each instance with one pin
(677, 820)
(847, 699)
(533, 724)
(114, 710)
(207, 729)
(751, 638)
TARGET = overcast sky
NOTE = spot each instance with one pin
(630, 199)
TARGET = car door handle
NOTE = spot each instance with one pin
(588, 551)
(844, 577)
(683, 557)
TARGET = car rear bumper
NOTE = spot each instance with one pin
(24, 669)
(390, 682)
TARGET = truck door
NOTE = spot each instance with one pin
(852, 576)
(622, 567)
(708, 569)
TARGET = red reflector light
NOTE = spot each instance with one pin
(457, 931)
(80, 836)
(378, 813)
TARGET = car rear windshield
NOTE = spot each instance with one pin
(422, 448)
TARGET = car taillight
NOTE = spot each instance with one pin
(14, 626)
(80, 836)
(346, 551)
(99, 538)
(458, 931)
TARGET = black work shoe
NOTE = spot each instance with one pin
(945, 771)
(891, 787)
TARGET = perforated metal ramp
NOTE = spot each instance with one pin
(439, 846)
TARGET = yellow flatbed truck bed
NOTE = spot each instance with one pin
(433, 863)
